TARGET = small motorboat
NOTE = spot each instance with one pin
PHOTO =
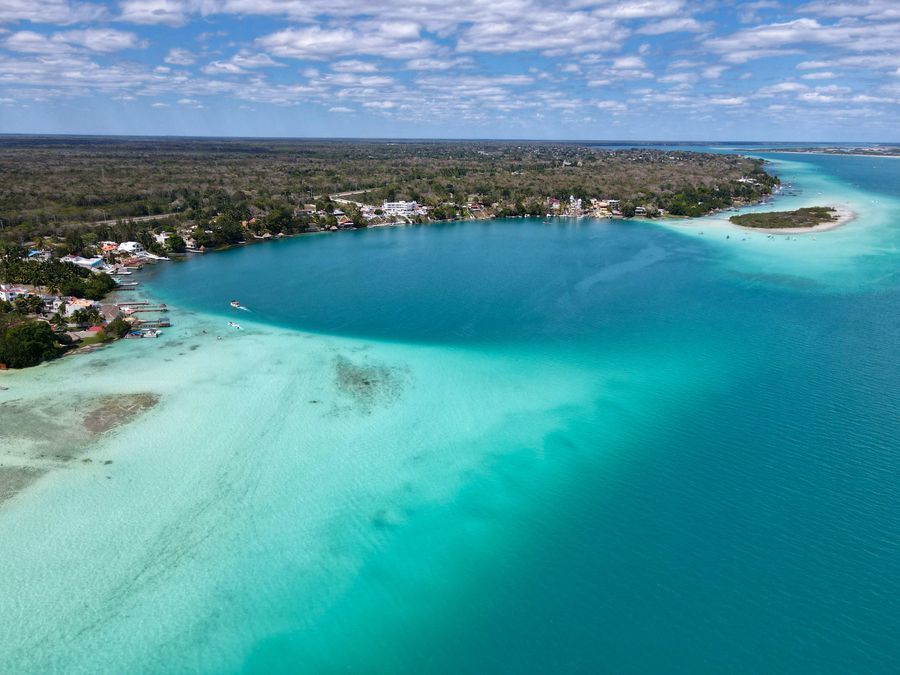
(234, 325)
(235, 304)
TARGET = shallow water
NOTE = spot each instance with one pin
(517, 445)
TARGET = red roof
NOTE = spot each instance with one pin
(95, 329)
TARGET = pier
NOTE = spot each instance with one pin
(130, 310)
(141, 306)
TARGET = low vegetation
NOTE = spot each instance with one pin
(779, 220)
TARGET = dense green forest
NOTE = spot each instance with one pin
(78, 190)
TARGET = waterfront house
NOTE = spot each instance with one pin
(400, 208)
(52, 304)
(96, 264)
(9, 292)
(74, 304)
(130, 247)
(110, 313)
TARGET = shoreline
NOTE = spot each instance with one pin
(830, 154)
(115, 295)
(843, 213)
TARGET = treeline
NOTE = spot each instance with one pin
(51, 187)
(27, 342)
(60, 278)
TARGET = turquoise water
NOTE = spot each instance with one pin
(515, 446)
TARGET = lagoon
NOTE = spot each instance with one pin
(511, 445)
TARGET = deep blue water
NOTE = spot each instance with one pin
(746, 518)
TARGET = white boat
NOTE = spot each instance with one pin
(150, 333)
(234, 325)
(235, 304)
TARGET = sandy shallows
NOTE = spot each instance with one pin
(50, 433)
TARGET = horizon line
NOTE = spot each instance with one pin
(433, 139)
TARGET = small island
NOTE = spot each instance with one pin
(812, 218)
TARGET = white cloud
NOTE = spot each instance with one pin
(30, 42)
(180, 57)
(474, 85)
(635, 9)
(380, 105)
(603, 72)
(241, 63)
(628, 63)
(782, 88)
(103, 40)
(682, 25)
(437, 64)
(822, 75)
(864, 61)
(166, 12)
(191, 103)
(869, 9)
(158, 104)
(816, 97)
(771, 39)
(50, 11)
(745, 55)
(399, 40)
(714, 72)
(549, 31)
(614, 107)
(679, 78)
(446, 50)
(354, 66)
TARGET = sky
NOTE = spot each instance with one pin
(825, 70)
